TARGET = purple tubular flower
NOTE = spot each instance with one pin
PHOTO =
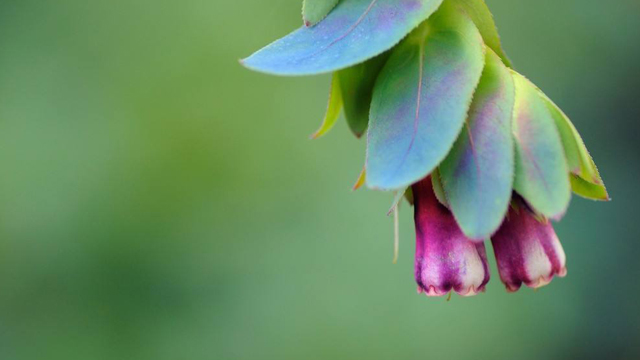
(527, 250)
(446, 260)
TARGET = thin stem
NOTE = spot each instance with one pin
(396, 234)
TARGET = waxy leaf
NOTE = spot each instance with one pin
(588, 190)
(438, 189)
(477, 175)
(354, 31)
(578, 158)
(482, 17)
(333, 108)
(356, 83)
(421, 99)
(541, 168)
(315, 10)
(585, 178)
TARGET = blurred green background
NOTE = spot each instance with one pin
(158, 201)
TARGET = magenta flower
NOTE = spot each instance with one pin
(527, 249)
(446, 259)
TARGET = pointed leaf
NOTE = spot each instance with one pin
(578, 157)
(315, 10)
(356, 83)
(361, 180)
(421, 98)
(355, 31)
(541, 168)
(588, 190)
(477, 175)
(438, 189)
(408, 195)
(333, 108)
(482, 17)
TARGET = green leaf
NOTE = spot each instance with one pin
(313, 11)
(585, 178)
(333, 108)
(541, 168)
(438, 189)
(588, 190)
(482, 17)
(578, 157)
(421, 99)
(353, 32)
(356, 84)
(477, 175)
(408, 195)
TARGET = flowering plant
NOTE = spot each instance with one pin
(479, 150)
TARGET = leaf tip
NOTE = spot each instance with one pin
(361, 180)
(319, 133)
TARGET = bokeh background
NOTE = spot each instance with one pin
(158, 201)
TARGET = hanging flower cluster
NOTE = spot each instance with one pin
(480, 151)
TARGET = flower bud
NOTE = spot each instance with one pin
(446, 260)
(527, 250)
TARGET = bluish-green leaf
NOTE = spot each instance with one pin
(578, 158)
(355, 31)
(356, 83)
(421, 99)
(585, 178)
(541, 168)
(482, 17)
(477, 175)
(315, 10)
